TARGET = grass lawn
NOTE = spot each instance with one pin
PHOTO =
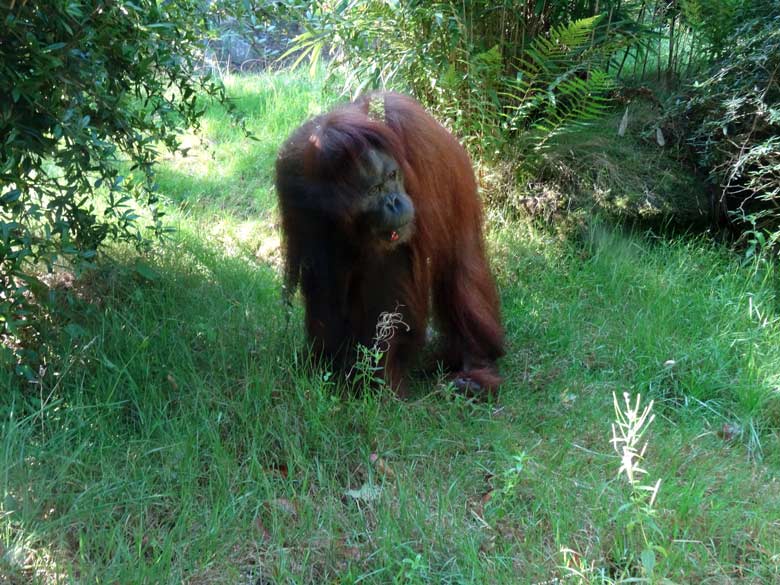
(179, 436)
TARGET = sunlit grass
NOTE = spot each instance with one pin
(179, 435)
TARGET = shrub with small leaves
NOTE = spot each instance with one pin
(730, 119)
(89, 88)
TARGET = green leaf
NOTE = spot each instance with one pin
(146, 272)
(74, 331)
(11, 196)
(648, 561)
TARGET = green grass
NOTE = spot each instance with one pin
(178, 435)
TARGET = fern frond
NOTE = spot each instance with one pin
(577, 103)
(558, 86)
(550, 66)
(555, 54)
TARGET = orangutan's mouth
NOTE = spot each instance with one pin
(399, 234)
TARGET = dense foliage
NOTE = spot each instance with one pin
(86, 85)
(730, 118)
(513, 77)
(488, 69)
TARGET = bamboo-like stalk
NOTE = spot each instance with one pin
(670, 63)
(647, 51)
(639, 19)
(661, 22)
(609, 24)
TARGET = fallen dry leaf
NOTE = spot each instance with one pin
(262, 529)
(348, 551)
(730, 431)
(381, 466)
(285, 505)
(278, 468)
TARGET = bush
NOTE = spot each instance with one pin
(90, 87)
(730, 120)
